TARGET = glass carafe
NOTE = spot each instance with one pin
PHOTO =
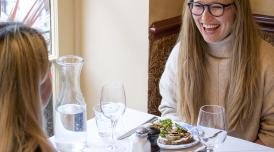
(70, 111)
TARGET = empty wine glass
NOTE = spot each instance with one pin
(113, 105)
(211, 126)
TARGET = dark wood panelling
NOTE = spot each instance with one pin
(165, 27)
(266, 23)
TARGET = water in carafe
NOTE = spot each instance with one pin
(70, 111)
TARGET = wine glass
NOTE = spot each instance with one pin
(113, 105)
(211, 126)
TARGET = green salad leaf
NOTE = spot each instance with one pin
(163, 133)
(180, 128)
(166, 125)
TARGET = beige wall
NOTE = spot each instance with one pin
(265, 7)
(163, 9)
(114, 42)
(66, 27)
(112, 37)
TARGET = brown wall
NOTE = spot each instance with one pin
(265, 7)
(163, 9)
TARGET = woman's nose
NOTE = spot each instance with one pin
(206, 16)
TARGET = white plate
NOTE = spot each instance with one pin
(181, 146)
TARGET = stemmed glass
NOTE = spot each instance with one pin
(211, 126)
(113, 105)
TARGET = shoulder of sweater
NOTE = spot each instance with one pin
(176, 49)
(267, 62)
(173, 57)
(267, 54)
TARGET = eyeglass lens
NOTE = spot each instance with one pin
(214, 9)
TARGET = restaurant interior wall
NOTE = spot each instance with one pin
(264, 7)
(113, 39)
(66, 27)
(164, 9)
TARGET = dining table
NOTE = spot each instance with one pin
(133, 118)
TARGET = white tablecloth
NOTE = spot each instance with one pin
(133, 118)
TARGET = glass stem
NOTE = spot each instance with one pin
(209, 149)
(113, 126)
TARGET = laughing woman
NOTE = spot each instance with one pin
(220, 59)
(23, 73)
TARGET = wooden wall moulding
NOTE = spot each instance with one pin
(165, 27)
(266, 23)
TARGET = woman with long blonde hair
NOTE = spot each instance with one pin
(24, 69)
(220, 59)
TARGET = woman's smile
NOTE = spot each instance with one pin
(210, 28)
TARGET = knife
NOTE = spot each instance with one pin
(132, 131)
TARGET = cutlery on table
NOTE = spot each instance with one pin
(132, 131)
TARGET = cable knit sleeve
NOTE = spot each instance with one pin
(168, 86)
(266, 131)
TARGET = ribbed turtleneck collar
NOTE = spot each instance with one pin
(221, 49)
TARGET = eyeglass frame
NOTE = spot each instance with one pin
(209, 8)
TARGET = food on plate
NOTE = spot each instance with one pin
(172, 133)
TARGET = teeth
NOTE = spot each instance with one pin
(210, 25)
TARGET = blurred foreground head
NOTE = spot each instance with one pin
(23, 68)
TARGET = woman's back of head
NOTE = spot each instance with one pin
(23, 66)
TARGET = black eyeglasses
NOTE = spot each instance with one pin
(215, 9)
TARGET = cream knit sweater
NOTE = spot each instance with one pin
(262, 124)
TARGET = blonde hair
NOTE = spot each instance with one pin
(23, 65)
(244, 68)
